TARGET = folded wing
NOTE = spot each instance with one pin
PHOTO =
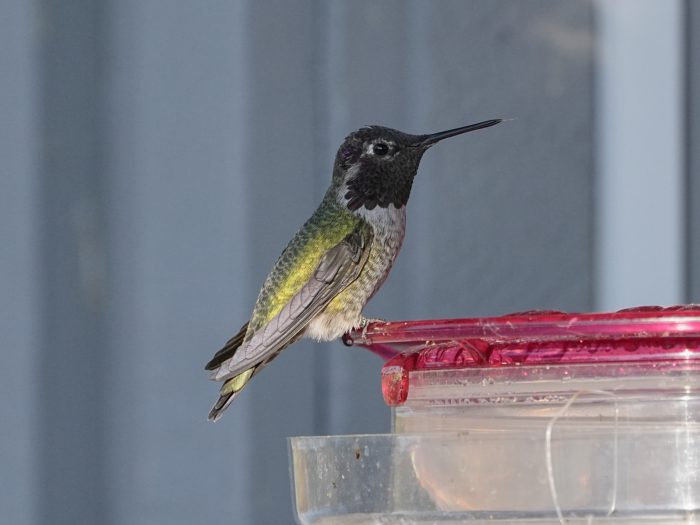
(337, 269)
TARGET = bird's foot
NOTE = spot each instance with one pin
(365, 322)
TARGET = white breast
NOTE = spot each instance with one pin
(389, 225)
(385, 221)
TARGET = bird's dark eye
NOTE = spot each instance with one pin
(380, 149)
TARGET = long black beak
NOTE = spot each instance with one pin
(429, 140)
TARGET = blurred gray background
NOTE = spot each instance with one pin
(157, 155)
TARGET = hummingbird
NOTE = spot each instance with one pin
(338, 259)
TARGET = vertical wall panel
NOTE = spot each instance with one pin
(19, 264)
(692, 145)
(640, 230)
(179, 213)
(72, 237)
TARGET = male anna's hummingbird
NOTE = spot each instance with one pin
(337, 260)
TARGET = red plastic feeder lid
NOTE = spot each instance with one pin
(647, 334)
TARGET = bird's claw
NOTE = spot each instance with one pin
(363, 325)
(365, 322)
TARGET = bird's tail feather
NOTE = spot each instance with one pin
(230, 388)
(228, 350)
(221, 404)
(228, 392)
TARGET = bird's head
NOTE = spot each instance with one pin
(375, 166)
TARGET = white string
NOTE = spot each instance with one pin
(548, 452)
(613, 500)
